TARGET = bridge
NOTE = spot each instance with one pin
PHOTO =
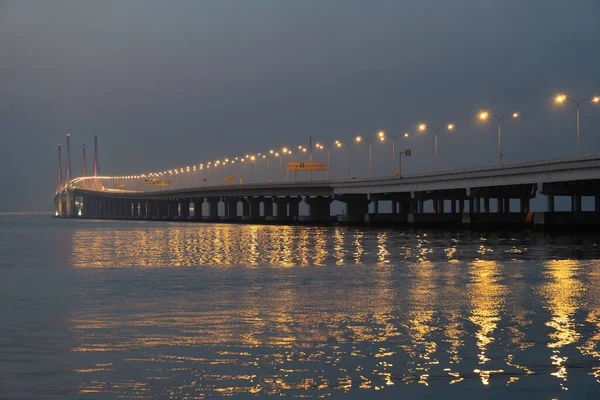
(494, 195)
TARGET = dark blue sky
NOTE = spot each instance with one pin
(167, 84)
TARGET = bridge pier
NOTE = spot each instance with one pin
(294, 207)
(184, 209)
(198, 202)
(213, 209)
(251, 209)
(281, 208)
(420, 206)
(267, 206)
(524, 203)
(486, 205)
(357, 205)
(507, 204)
(500, 205)
(319, 208)
(231, 206)
(597, 203)
(575, 203)
(550, 203)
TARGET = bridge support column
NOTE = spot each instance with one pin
(507, 204)
(375, 207)
(197, 208)
(420, 206)
(319, 208)
(245, 208)
(357, 206)
(597, 203)
(268, 206)
(122, 209)
(251, 208)
(435, 206)
(143, 209)
(500, 205)
(151, 209)
(172, 209)
(281, 207)
(213, 209)
(294, 207)
(550, 203)
(576, 203)
(476, 205)
(163, 209)
(254, 203)
(441, 206)
(524, 204)
(134, 209)
(184, 209)
(231, 205)
(486, 204)
(461, 206)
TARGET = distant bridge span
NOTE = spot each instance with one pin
(457, 197)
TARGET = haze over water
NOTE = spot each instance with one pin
(147, 310)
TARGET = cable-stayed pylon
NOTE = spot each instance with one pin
(68, 162)
(95, 171)
(83, 164)
(59, 182)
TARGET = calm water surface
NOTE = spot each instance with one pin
(143, 310)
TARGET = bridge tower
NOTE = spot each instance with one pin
(95, 167)
(68, 162)
(59, 183)
(83, 164)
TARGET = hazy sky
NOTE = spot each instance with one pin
(167, 84)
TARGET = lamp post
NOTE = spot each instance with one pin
(424, 127)
(483, 115)
(320, 146)
(285, 150)
(561, 98)
(404, 135)
(267, 162)
(358, 139)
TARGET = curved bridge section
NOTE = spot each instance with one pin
(474, 196)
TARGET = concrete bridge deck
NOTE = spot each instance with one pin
(456, 197)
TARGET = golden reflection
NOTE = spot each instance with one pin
(487, 296)
(562, 292)
(255, 318)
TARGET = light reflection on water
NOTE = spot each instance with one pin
(150, 310)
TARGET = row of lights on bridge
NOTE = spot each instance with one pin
(483, 116)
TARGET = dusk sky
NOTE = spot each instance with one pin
(169, 84)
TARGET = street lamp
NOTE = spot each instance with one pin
(404, 135)
(424, 127)
(561, 98)
(320, 146)
(253, 158)
(267, 161)
(484, 115)
(381, 138)
(285, 150)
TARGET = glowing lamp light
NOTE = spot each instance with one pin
(450, 127)
(561, 98)
(515, 115)
(422, 127)
(596, 99)
(358, 139)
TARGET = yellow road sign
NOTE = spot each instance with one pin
(306, 166)
(157, 182)
(230, 178)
